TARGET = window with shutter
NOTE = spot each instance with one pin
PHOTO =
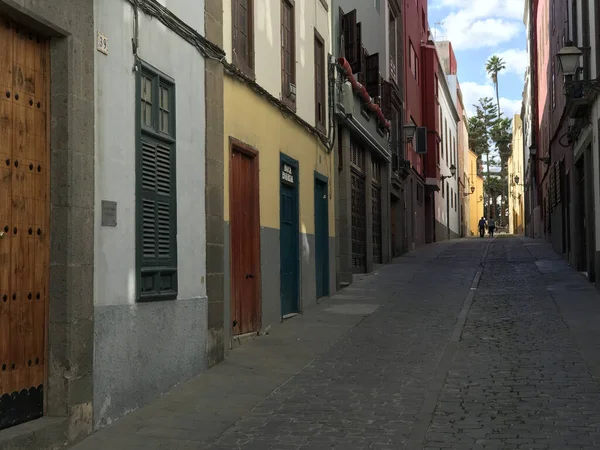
(320, 80)
(156, 224)
(242, 34)
(288, 53)
(372, 75)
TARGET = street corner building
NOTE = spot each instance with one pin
(278, 163)
(103, 264)
(367, 95)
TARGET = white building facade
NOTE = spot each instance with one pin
(150, 301)
(532, 210)
(447, 199)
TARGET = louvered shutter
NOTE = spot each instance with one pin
(157, 204)
(350, 38)
(359, 52)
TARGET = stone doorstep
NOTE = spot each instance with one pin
(46, 433)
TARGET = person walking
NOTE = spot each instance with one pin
(482, 227)
(491, 226)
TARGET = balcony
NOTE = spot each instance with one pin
(581, 95)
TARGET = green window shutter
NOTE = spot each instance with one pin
(156, 198)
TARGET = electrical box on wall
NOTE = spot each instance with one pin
(347, 98)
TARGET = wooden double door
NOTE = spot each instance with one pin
(24, 221)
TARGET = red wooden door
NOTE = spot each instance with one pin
(244, 241)
(24, 222)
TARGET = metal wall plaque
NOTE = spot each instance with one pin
(109, 213)
(287, 173)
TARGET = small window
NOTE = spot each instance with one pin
(320, 77)
(146, 101)
(243, 34)
(164, 109)
(288, 53)
(156, 209)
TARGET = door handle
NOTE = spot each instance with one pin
(249, 275)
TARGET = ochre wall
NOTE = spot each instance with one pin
(254, 121)
(475, 205)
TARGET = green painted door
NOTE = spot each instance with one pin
(288, 239)
(321, 237)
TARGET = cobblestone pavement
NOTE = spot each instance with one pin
(412, 376)
(472, 344)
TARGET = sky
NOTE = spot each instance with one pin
(477, 30)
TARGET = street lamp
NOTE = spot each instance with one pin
(532, 150)
(568, 58)
(409, 131)
(452, 173)
(469, 193)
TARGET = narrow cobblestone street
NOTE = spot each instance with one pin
(472, 344)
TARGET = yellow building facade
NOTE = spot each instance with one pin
(475, 199)
(516, 176)
(278, 198)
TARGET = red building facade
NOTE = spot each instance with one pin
(421, 65)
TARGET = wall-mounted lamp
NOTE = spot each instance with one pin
(568, 58)
(452, 173)
(532, 150)
(409, 131)
(469, 193)
(533, 153)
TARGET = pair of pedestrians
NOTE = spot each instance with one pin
(490, 224)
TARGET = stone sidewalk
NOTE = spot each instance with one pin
(196, 413)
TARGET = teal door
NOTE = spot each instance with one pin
(321, 236)
(288, 237)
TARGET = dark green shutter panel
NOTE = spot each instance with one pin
(148, 229)
(156, 202)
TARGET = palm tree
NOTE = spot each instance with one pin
(493, 67)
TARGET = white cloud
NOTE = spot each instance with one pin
(516, 60)
(480, 23)
(472, 92)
